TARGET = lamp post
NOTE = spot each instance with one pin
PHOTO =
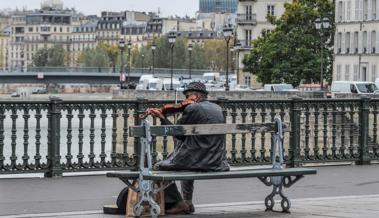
(237, 48)
(171, 40)
(190, 47)
(228, 33)
(153, 48)
(121, 45)
(129, 47)
(322, 24)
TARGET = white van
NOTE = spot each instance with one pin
(165, 84)
(353, 87)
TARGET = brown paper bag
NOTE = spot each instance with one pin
(134, 197)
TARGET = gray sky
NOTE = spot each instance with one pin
(167, 7)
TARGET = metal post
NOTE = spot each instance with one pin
(153, 60)
(190, 64)
(295, 133)
(53, 157)
(238, 66)
(364, 110)
(227, 65)
(139, 109)
(322, 64)
(172, 65)
(127, 79)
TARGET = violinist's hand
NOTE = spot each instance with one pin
(155, 112)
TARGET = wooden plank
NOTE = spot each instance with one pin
(202, 129)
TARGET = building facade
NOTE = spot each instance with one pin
(224, 6)
(4, 53)
(251, 21)
(356, 45)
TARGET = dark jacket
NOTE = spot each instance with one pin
(205, 152)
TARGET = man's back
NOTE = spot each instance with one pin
(206, 152)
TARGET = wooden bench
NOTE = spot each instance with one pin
(275, 176)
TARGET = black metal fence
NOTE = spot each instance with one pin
(58, 136)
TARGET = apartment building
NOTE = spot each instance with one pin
(251, 21)
(4, 41)
(356, 44)
(83, 37)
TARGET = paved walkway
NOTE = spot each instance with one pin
(364, 206)
(336, 191)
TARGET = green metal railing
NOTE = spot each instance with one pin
(55, 136)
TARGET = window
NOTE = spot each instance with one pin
(270, 10)
(373, 9)
(355, 42)
(365, 9)
(340, 11)
(347, 72)
(30, 29)
(348, 11)
(338, 76)
(60, 29)
(347, 42)
(373, 41)
(339, 42)
(364, 42)
(248, 38)
(248, 81)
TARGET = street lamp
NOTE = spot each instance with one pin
(228, 34)
(322, 24)
(121, 45)
(237, 48)
(171, 40)
(129, 47)
(153, 48)
(190, 47)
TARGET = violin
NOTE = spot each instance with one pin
(171, 108)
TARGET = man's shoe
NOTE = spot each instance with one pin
(191, 208)
(180, 208)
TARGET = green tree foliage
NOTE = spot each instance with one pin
(291, 53)
(95, 58)
(112, 51)
(56, 57)
(49, 57)
(1, 59)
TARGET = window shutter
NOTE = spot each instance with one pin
(352, 49)
(368, 42)
(369, 6)
(343, 46)
(343, 16)
(355, 76)
(360, 42)
(360, 9)
(377, 10)
(356, 10)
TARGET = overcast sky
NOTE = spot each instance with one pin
(167, 7)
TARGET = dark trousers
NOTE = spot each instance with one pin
(172, 194)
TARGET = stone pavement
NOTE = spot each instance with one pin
(364, 206)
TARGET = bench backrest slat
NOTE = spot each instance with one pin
(201, 129)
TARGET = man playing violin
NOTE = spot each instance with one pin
(196, 153)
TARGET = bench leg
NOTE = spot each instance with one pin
(277, 183)
(146, 188)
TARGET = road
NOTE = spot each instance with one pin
(89, 193)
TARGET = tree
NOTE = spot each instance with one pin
(291, 52)
(112, 51)
(50, 57)
(40, 58)
(56, 56)
(1, 59)
(94, 58)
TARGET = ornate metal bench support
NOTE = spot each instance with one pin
(277, 182)
(146, 187)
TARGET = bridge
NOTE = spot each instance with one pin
(98, 76)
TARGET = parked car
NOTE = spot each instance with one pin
(282, 87)
(310, 87)
(15, 95)
(353, 87)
